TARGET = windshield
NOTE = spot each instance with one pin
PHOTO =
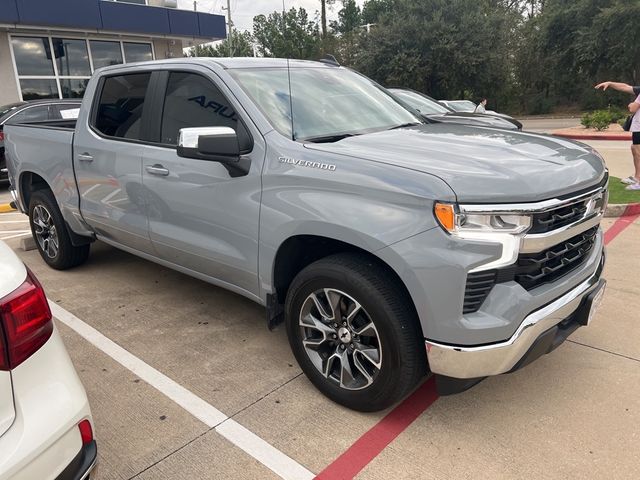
(7, 108)
(328, 103)
(462, 105)
(421, 103)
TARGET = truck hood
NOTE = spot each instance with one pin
(481, 164)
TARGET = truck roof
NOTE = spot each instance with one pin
(235, 62)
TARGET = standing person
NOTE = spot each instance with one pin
(481, 108)
(633, 181)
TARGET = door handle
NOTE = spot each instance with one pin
(157, 169)
(85, 157)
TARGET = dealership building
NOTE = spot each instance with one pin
(50, 48)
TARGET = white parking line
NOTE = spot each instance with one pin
(2, 222)
(256, 447)
(25, 234)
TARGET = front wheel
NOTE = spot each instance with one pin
(354, 332)
(49, 230)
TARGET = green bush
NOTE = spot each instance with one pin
(586, 120)
(601, 119)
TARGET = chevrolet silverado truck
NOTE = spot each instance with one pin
(390, 248)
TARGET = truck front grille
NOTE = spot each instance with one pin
(558, 218)
(531, 270)
(536, 269)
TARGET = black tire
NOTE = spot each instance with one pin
(67, 255)
(386, 304)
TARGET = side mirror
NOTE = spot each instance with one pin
(216, 144)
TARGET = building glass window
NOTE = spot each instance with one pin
(72, 57)
(55, 67)
(105, 53)
(137, 52)
(139, 2)
(36, 89)
(33, 55)
(73, 87)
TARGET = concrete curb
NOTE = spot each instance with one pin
(622, 210)
(586, 136)
(6, 208)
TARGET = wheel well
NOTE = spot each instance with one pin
(300, 251)
(29, 183)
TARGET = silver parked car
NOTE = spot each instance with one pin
(434, 112)
(470, 107)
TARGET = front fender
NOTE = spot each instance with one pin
(365, 204)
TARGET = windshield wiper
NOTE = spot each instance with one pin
(329, 138)
(405, 125)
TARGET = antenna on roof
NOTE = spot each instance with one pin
(330, 60)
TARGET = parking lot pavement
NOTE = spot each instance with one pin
(547, 125)
(572, 414)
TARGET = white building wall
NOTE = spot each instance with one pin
(167, 48)
(8, 84)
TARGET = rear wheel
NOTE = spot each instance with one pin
(354, 332)
(50, 233)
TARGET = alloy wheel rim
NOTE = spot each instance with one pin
(340, 339)
(45, 231)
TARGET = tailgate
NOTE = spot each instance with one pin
(12, 275)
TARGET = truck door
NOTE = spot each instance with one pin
(108, 161)
(200, 215)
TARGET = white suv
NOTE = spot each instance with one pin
(45, 421)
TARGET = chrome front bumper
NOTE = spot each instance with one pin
(467, 362)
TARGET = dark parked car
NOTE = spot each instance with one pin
(433, 111)
(35, 111)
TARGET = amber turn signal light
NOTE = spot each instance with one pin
(446, 215)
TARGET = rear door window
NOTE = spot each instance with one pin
(193, 101)
(119, 111)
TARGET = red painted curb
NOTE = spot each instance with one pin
(592, 137)
(374, 441)
(631, 214)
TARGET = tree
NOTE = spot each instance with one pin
(447, 48)
(372, 10)
(348, 30)
(291, 36)
(349, 18)
(242, 47)
(323, 15)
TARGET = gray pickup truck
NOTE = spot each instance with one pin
(389, 247)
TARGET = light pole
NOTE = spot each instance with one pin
(230, 28)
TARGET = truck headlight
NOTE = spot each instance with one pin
(472, 225)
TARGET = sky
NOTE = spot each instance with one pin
(243, 11)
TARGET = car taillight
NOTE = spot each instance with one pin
(1, 136)
(25, 323)
(86, 432)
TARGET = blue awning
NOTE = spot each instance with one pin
(113, 16)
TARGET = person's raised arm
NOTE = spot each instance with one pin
(621, 87)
